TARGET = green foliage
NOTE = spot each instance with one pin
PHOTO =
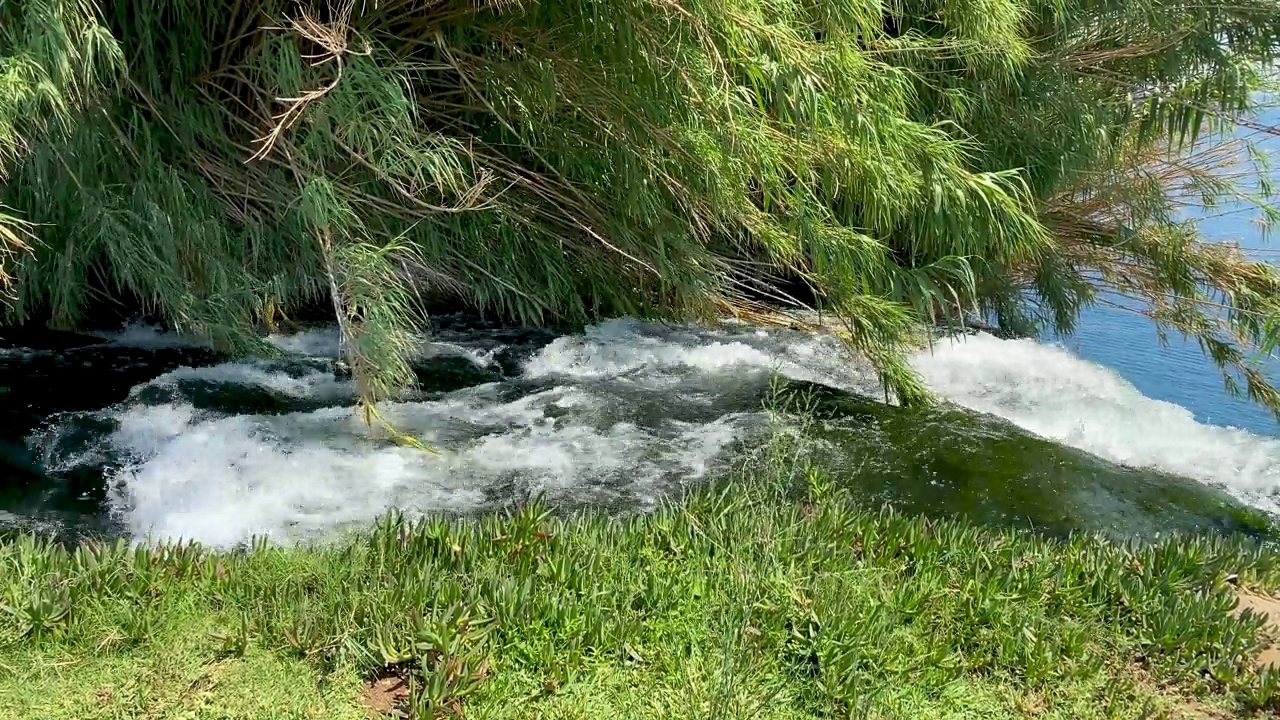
(748, 601)
(905, 162)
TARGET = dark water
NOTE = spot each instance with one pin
(983, 467)
(146, 437)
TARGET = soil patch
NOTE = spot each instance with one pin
(1177, 705)
(385, 696)
(1270, 607)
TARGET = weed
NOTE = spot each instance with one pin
(743, 601)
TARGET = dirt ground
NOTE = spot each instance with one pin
(1269, 606)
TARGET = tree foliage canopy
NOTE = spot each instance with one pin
(904, 160)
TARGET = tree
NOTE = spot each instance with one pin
(902, 162)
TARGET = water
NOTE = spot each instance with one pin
(1057, 395)
(1179, 372)
(173, 442)
(148, 435)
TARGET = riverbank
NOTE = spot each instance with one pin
(739, 602)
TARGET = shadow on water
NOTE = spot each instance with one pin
(941, 461)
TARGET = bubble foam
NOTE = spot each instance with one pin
(1051, 392)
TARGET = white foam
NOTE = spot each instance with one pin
(480, 357)
(151, 337)
(299, 476)
(316, 342)
(21, 354)
(618, 348)
(309, 383)
(649, 353)
(1053, 393)
(324, 343)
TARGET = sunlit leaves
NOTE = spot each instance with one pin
(908, 163)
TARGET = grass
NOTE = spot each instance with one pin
(741, 601)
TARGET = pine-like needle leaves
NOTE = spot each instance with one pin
(903, 163)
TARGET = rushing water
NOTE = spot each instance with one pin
(145, 436)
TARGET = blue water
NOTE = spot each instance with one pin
(1178, 372)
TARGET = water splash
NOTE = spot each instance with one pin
(618, 416)
(1055, 394)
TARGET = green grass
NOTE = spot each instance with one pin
(738, 602)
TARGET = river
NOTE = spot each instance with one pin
(168, 441)
(1179, 372)
(148, 435)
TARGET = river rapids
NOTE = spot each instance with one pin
(146, 435)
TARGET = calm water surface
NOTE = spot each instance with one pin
(1179, 372)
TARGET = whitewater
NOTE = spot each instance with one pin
(622, 415)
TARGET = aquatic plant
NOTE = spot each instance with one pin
(891, 164)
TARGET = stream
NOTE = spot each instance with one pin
(147, 435)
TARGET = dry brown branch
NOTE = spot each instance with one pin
(569, 187)
(14, 235)
(1082, 56)
(334, 41)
